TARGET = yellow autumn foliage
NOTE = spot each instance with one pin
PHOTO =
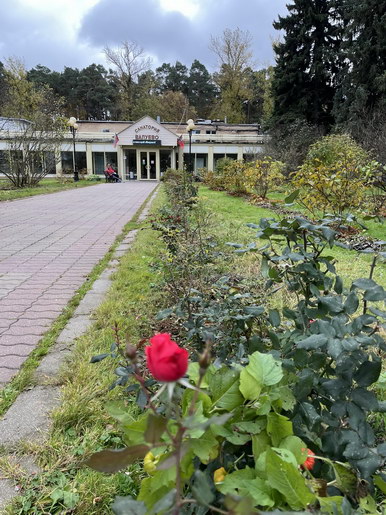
(334, 175)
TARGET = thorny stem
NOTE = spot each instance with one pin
(177, 444)
(372, 268)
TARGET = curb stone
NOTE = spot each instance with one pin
(29, 416)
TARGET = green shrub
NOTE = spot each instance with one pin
(334, 175)
(263, 175)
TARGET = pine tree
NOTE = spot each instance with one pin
(201, 90)
(307, 62)
(363, 91)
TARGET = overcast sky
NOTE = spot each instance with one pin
(58, 33)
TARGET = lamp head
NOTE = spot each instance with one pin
(190, 125)
(72, 121)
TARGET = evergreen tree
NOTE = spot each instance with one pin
(308, 61)
(363, 91)
(172, 77)
(95, 93)
(201, 90)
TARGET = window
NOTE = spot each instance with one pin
(100, 160)
(131, 164)
(216, 158)
(165, 160)
(201, 161)
(67, 164)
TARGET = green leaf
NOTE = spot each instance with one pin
(375, 294)
(128, 506)
(351, 304)
(331, 505)
(165, 503)
(202, 489)
(134, 430)
(113, 460)
(274, 317)
(278, 427)
(118, 411)
(345, 477)
(294, 195)
(206, 447)
(252, 428)
(260, 443)
(288, 480)
(244, 483)
(262, 370)
(254, 310)
(365, 399)
(315, 341)
(296, 446)
(332, 304)
(250, 387)
(380, 483)
(99, 357)
(364, 284)
(156, 425)
(368, 373)
(338, 287)
(224, 387)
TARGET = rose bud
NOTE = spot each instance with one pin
(219, 475)
(310, 461)
(130, 351)
(165, 359)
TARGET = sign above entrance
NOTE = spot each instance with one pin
(146, 142)
(147, 132)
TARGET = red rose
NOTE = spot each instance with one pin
(310, 461)
(165, 359)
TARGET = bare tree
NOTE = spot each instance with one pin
(233, 49)
(129, 61)
(234, 55)
(32, 131)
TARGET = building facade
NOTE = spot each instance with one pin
(145, 149)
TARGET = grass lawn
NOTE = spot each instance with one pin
(8, 192)
(231, 214)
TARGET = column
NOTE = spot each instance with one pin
(173, 159)
(210, 158)
(180, 158)
(89, 159)
(58, 162)
(157, 165)
(121, 163)
(240, 153)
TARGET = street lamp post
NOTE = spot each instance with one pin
(190, 127)
(73, 128)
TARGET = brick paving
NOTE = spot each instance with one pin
(48, 246)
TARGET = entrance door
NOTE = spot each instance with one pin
(149, 164)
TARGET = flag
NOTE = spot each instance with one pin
(116, 139)
(180, 143)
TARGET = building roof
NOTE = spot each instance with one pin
(201, 125)
(13, 124)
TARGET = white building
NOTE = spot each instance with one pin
(144, 149)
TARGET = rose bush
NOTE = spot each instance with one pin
(165, 359)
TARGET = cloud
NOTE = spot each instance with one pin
(75, 33)
(39, 37)
(171, 36)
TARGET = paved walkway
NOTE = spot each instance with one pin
(48, 246)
